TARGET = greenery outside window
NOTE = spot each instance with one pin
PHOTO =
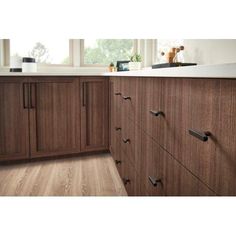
(101, 52)
(46, 52)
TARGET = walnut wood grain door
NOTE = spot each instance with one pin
(203, 117)
(176, 107)
(152, 114)
(94, 114)
(152, 171)
(131, 98)
(14, 123)
(225, 138)
(54, 116)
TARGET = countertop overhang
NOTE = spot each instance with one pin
(199, 71)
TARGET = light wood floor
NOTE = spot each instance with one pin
(94, 175)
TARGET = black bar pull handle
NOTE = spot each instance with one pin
(126, 181)
(126, 140)
(32, 95)
(153, 181)
(117, 128)
(126, 97)
(117, 162)
(202, 136)
(84, 87)
(157, 113)
(118, 94)
(25, 95)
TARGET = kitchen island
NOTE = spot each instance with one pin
(170, 131)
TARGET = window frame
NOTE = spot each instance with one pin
(7, 54)
(82, 64)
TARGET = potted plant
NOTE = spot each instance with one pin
(135, 62)
(111, 67)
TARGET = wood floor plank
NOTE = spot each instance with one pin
(94, 175)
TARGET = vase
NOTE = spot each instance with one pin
(134, 65)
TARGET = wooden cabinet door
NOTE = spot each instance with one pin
(14, 123)
(203, 116)
(54, 116)
(225, 139)
(175, 121)
(94, 113)
(152, 113)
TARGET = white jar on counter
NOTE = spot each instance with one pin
(29, 65)
(15, 64)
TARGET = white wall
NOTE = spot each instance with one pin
(210, 51)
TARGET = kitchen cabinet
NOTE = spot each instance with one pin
(14, 123)
(162, 130)
(94, 113)
(54, 116)
(42, 116)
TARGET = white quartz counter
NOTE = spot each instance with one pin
(52, 74)
(200, 71)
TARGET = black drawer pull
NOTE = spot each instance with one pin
(157, 113)
(117, 162)
(126, 97)
(126, 181)
(117, 128)
(202, 136)
(118, 94)
(154, 181)
(126, 140)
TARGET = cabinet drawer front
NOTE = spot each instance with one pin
(152, 114)
(130, 179)
(117, 95)
(152, 162)
(162, 175)
(178, 181)
(131, 143)
(131, 98)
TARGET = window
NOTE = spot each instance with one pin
(49, 51)
(164, 45)
(104, 51)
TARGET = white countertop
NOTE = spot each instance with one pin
(52, 74)
(199, 71)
